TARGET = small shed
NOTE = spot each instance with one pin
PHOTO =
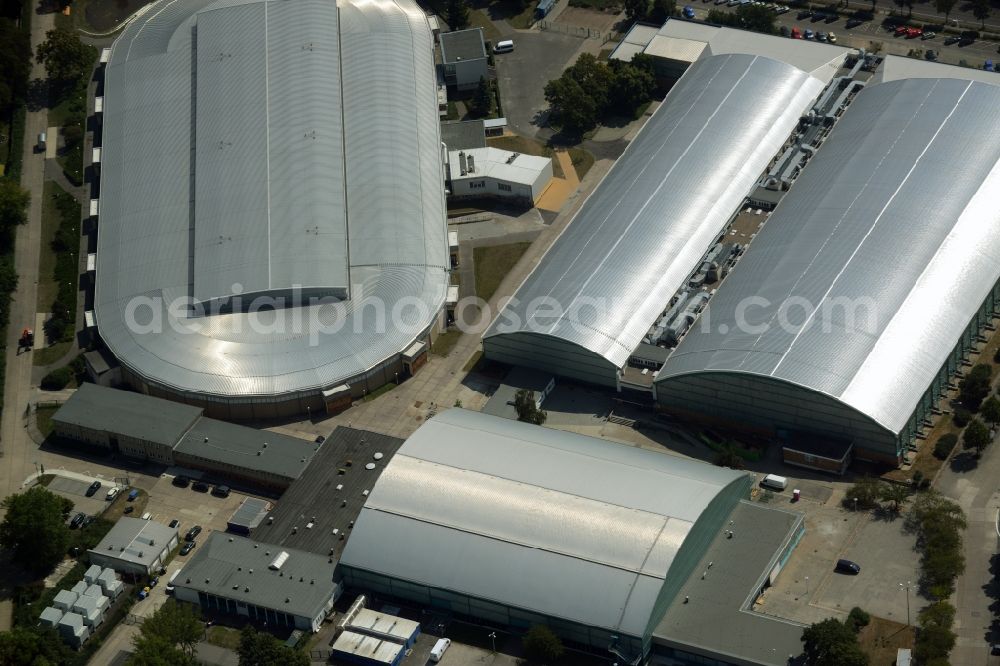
(73, 629)
(64, 600)
(50, 617)
(92, 574)
(110, 584)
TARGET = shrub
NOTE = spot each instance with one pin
(864, 495)
(57, 379)
(945, 445)
(996, 355)
(974, 388)
(961, 416)
(542, 644)
(858, 618)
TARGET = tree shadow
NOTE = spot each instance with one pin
(37, 95)
(966, 461)
(885, 514)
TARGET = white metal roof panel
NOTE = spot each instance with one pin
(575, 527)
(310, 173)
(835, 243)
(647, 225)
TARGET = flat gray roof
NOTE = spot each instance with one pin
(126, 413)
(135, 540)
(714, 620)
(462, 45)
(314, 497)
(249, 513)
(302, 586)
(248, 448)
(462, 134)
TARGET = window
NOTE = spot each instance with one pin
(504, 187)
(477, 184)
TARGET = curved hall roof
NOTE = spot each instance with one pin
(878, 257)
(250, 152)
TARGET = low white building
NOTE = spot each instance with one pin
(50, 617)
(464, 58)
(135, 546)
(92, 610)
(110, 584)
(64, 600)
(92, 574)
(73, 630)
(491, 172)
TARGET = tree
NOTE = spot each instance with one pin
(662, 10)
(527, 410)
(832, 643)
(542, 644)
(482, 102)
(594, 78)
(945, 7)
(631, 87)
(935, 639)
(65, 57)
(636, 10)
(990, 410)
(259, 648)
(895, 494)
(975, 386)
(981, 10)
(756, 18)
(575, 109)
(976, 436)
(13, 204)
(457, 14)
(15, 62)
(857, 619)
(168, 637)
(727, 457)
(863, 495)
(945, 445)
(32, 646)
(35, 528)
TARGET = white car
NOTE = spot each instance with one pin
(113, 493)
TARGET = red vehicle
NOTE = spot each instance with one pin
(796, 33)
(913, 33)
(902, 30)
(26, 341)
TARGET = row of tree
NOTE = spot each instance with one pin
(650, 11)
(591, 90)
(938, 523)
(747, 17)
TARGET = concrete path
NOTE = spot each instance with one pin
(560, 189)
(977, 492)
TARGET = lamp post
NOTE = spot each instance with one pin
(493, 639)
(807, 586)
(36, 467)
(906, 591)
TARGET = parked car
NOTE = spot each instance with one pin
(913, 33)
(809, 34)
(688, 12)
(847, 567)
(817, 17)
(952, 40)
(87, 521)
(187, 548)
(133, 494)
(199, 486)
(931, 55)
(77, 520)
(320, 439)
(153, 581)
(192, 533)
(147, 515)
(783, 9)
(174, 522)
(804, 14)
(94, 487)
(901, 30)
(128, 509)
(832, 18)
(113, 493)
(853, 23)
(820, 36)
(831, 37)
(965, 40)
(928, 35)
(221, 491)
(796, 33)
(181, 481)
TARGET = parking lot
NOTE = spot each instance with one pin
(167, 502)
(76, 491)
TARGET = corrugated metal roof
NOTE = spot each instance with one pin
(896, 67)
(647, 225)
(897, 214)
(248, 142)
(575, 527)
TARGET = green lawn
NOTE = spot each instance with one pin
(51, 354)
(493, 263)
(479, 19)
(445, 342)
(51, 219)
(224, 637)
(43, 416)
(582, 161)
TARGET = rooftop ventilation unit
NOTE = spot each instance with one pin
(278, 561)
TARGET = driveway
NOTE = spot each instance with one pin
(538, 57)
(76, 491)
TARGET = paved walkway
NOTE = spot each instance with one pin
(560, 189)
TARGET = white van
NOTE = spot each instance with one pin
(113, 493)
(439, 649)
(41, 142)
(504, 46)
(147, 515)
(774, 482)
(169, 589)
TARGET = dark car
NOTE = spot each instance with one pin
(221, 491)
(965, 40)
(931, 55)
(200, 486)
(951, 40)
(320, 439)
(181, 481)
(94, 487)
(804, 14)
(847, 567)
(853, 23)
(192, 533)
(133, 494)
(174, 522)
(818, 16)
(87, 521)
(129, 509)
(77, 520)
(187, 548)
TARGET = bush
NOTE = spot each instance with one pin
(961, 417)
(857, 619)
(945, 445)
(58, 379)
(974, 388)
(542, 644)
(862, 495)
